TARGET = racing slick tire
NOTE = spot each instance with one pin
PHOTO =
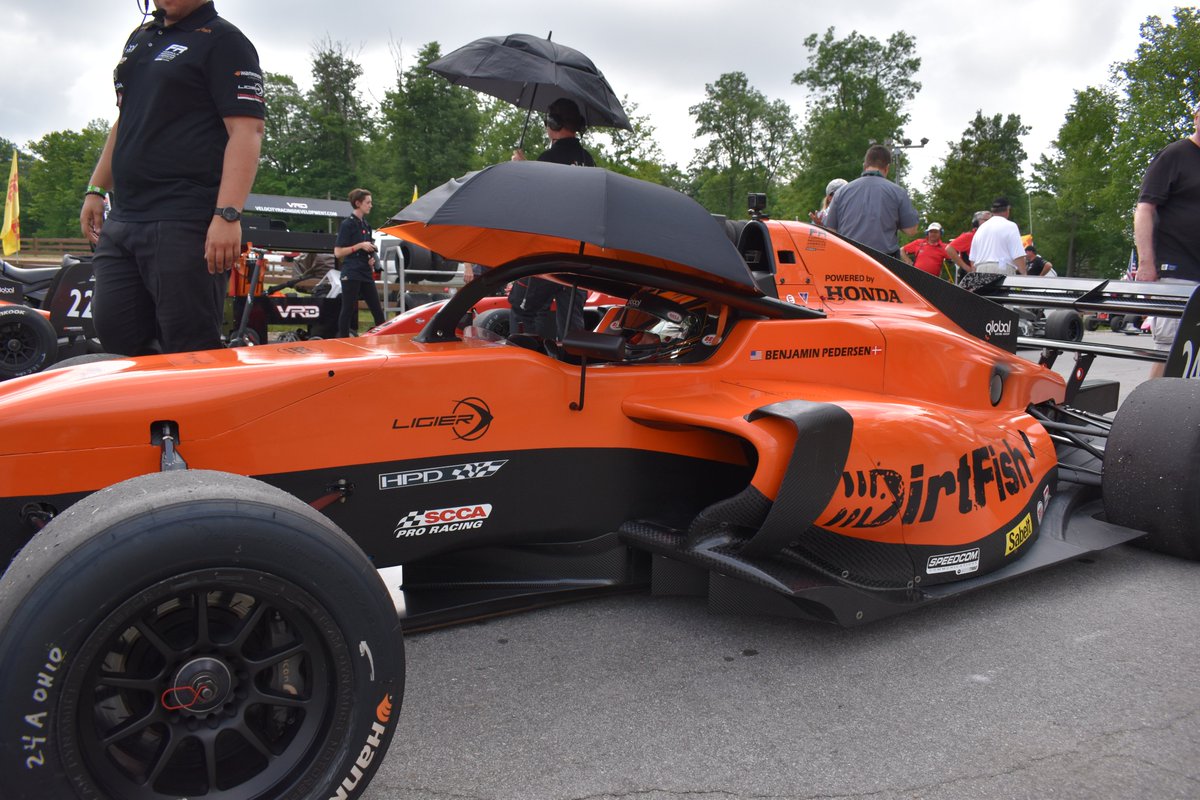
(1091, 322)
(496, 320)
(28, 343)
(1065, 325)
(195, 634)
(86, 358)
(1150, 480)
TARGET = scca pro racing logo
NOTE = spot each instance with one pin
(442, 520)
(469, 420)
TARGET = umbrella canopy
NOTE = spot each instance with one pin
(520, 208)
(532, 73)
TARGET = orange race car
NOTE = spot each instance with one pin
(788, 424)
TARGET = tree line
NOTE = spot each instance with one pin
(324, 141)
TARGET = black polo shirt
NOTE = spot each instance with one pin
(1172, 185)
(568, 151)
(175, 85)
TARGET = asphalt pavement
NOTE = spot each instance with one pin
(1077, 682)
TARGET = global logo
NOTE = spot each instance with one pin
(997, 328)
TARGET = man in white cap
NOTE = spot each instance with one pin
(929, 253)
(997, 246)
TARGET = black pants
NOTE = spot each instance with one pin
(154, 292)
(353, 291)
(531, 299)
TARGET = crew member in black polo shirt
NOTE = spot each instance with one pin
(356, 249)
(531, 298)
(180, 161)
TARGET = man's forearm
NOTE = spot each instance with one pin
(1143, 240)
(241, 160)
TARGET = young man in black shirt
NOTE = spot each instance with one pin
(180, 161)
(1164, 224)
(355, 248)
(531, 298)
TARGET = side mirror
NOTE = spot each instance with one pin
(595, 346)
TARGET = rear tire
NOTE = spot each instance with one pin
(86, 358)
(1150, 480)
(1065, 325)
(195, 634)
(28, 343)
(496, 320)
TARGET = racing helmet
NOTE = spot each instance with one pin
(657, 327)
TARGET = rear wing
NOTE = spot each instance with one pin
(1181, 301)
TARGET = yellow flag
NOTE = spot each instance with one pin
(11, 232)
(414, 193)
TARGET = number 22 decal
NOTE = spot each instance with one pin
(81, 304)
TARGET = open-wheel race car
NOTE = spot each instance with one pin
(787, 424)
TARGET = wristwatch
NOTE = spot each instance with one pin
(228, 213)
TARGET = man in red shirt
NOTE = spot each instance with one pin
(931, 251)
(962, 243)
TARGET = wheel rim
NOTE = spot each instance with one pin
(205, 685)
(18, 345)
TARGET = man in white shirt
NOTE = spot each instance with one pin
(997, 244)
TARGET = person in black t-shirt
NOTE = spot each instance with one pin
(1035, 264)
(531, 298)
(180, 161)
(356, 250)
(1164, 225)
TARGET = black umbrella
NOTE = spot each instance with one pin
(519, 208)
(532, 73)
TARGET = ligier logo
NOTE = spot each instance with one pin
(998, 328)
(443, 520)
(960, 563)
(366, 755)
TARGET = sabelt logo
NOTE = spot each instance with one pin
(1018, 535)
(997, 328)
(960, 563)
(366, 755)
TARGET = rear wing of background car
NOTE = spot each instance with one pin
(1116, 297)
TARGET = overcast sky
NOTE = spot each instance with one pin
(1021, 57)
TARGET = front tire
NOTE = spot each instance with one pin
(195, 634)
(1150, 480)
(1064, 325)
(28, 343)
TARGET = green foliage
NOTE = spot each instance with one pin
(634, 152)
(286, 147)
(427, 135)
(53, 180)
(750, 144)
(984, 164)
(500, 130)
(337, 122)
(859, 88)
(1078, 227)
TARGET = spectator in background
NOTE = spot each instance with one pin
(818, 217)
(355, 247)
(929, 253)
(872, 210)
(962, 243)
(997, 246)
(1165, 226)
(1036, 265)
